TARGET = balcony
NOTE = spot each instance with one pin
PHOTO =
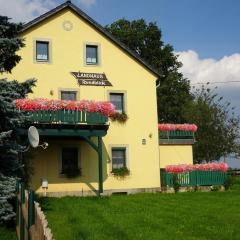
(176, 134)
(176, 137)
(66, 117)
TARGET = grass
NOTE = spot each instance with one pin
(183, 216)
(7, 233)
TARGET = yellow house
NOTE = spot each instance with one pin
(73, 57)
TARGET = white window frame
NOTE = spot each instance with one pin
(98, 45)
(124, 98)
(49, 41)
(60, 90)
(112, 146)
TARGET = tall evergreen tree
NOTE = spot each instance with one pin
(10, 118)
(146, 40)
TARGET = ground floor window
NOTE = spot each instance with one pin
(69, 95)
(118, 157)
(69, 160)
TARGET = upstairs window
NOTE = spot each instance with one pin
(118, 158)
(69, 95)
(69, 160)
(42, 51)
(91, 54)
(117, 99)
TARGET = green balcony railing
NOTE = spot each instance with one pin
(67, 117)
(195, 178)
(176, 135)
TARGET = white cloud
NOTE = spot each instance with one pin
(210, 70)
(87, 3)
(226, 69)
(25, 10)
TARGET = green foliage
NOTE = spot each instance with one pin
(146, 40)
(119, 117)
(10, 143)
(176, 184)
(218, 126)
(11, 120)
(121, 172)
(230, 181)
(10, 42)
(7, 233)
(7, 195)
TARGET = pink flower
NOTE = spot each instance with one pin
(177, 127)
(40, 104)
(222, 167)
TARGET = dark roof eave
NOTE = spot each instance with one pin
(93, 23)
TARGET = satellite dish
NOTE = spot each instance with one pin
(33, 136)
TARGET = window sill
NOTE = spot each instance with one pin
(91, 65)
(42, 62)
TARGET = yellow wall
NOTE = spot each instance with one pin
(125, 74)
(175, 154)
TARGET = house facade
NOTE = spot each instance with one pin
(70, 55)
(73, 58)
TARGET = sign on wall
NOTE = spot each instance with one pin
(91, 79)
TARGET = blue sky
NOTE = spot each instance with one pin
(210, 27)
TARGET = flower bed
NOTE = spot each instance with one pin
(104, 107)
(177, 127)
(183, 168)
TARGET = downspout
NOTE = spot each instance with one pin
(157, 86)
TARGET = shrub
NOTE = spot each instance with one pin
(229, 181)
(121, 172)
(119, 117)
(7, 195)
(176, 184)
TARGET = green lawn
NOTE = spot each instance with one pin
(195, 216)
(7, 234)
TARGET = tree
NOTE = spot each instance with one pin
(146, 40)
(218, 126)
(11, 119)
(10, 42)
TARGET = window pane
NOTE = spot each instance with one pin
(91, 54)
(69, 158)
(68, 95)
(42, 51)
(117, 100)
(118, 158)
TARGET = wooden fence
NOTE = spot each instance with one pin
(31, 223)
(195, 178)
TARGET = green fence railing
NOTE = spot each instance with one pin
(67, 117)
(175, 134)
(195, 178)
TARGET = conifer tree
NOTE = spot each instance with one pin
(10, 119)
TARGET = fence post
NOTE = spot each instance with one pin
(22, 201)
(17, 203)
(31, 213)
